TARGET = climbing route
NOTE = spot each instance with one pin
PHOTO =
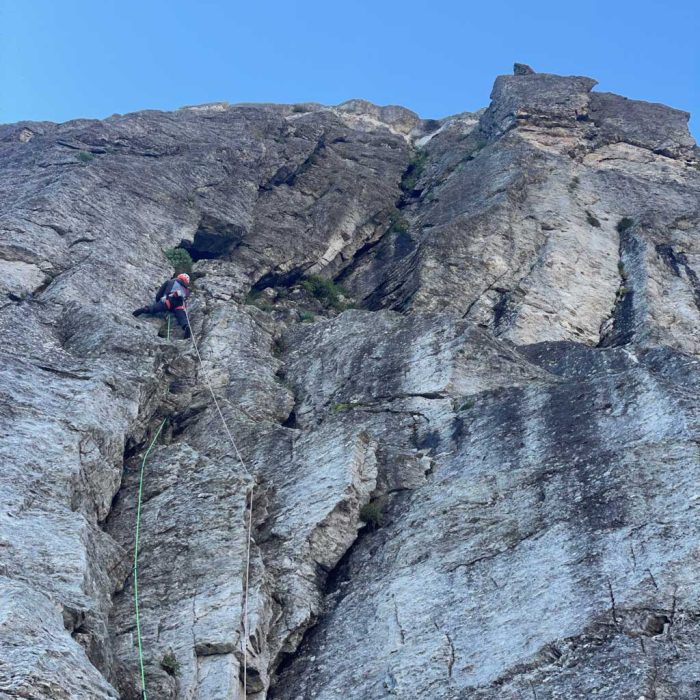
(137, 539)
(244, 642)
(249, 525)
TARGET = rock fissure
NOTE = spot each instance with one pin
(620, 327)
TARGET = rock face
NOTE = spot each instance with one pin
(472, 472)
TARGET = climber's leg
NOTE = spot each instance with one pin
(158, 308)
(181, 318)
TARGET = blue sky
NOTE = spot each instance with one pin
(63, 59)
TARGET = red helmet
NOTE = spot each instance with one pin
(184, 278)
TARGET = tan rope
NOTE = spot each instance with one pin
(250, 509)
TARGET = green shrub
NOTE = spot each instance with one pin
(477, 145)
(621, 269)
(326, 291)
(85, 156)
(170, 664)
(306, 316)
(180, 259)
(399, 224)
(372, 514)
(255, 298)
(469, 403)
(624, 223)
(592, 220)
(414, 171)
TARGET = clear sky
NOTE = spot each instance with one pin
(62, 59)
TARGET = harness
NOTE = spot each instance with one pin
(175, 291)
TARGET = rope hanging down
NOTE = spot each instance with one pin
(136, 551)
(136, 559)
(248, 536)
(250, 510)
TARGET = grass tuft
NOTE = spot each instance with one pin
(372, 514)
(170, 664)
(414, 171)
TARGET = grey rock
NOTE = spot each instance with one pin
(646, 124)
(522, 69)
(538, 96)
(480, 483)
(572, 196)
(398, 118)
(525, 486)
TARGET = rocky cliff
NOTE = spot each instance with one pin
(459, 359)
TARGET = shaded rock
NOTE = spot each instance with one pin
(645, 124)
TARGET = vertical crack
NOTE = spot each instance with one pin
(451, 659)
(677, 259)
(402, 633)
(616, 622)
(653, 580)
(619, 329)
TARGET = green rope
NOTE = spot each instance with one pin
(136, 559)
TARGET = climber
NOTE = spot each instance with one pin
(172, 297)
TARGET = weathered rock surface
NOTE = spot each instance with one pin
(479, 483)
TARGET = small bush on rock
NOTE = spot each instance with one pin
(413, 172)
(85, 156)
(624, 223)
(399, 224)
(372, 515)
(180, 259)
(255, 298)
(170, 664)
(326, 291)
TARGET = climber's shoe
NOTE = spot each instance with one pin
(140, 311)
(187, 334)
